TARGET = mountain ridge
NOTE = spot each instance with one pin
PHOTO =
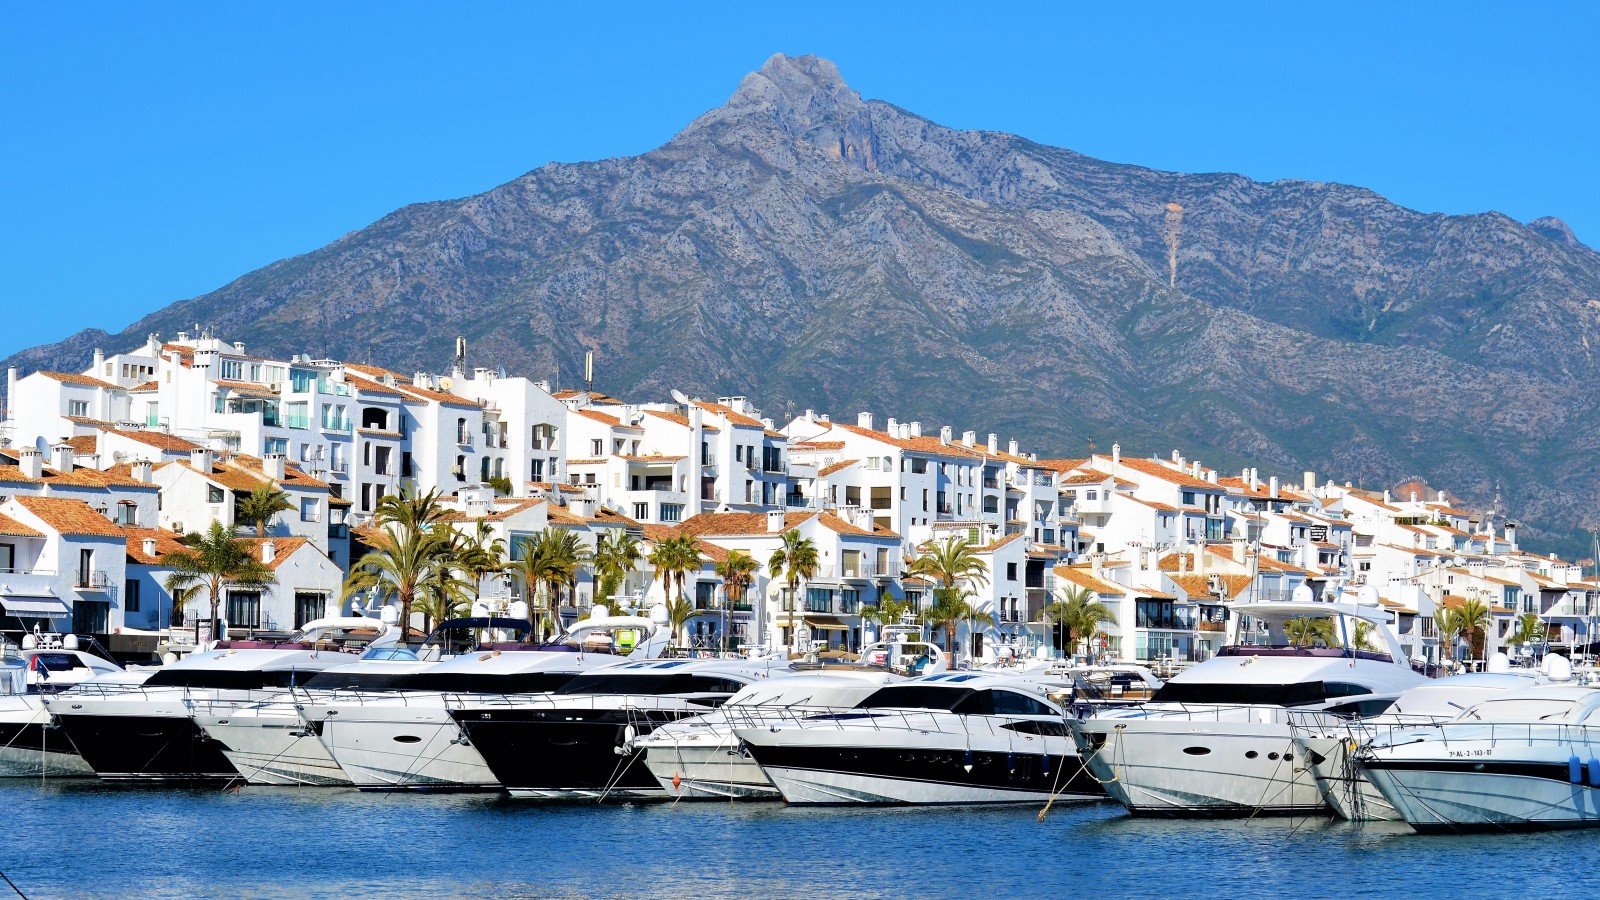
(815, 249)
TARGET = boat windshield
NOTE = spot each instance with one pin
(1519, 710)
(660, 685)
(962, 701)
(1303, 693)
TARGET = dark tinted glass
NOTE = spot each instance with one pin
(916, 696)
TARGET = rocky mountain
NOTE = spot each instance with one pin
(809, 248)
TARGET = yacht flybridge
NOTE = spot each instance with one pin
(141, 729)
(1216, 740)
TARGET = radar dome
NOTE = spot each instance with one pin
(599, 611)
(1367, 595)
(1302, 594)
(658, 614)
(518, 610)
(389, 615)
(70, 642)
(1498, 662)
(1557, 667)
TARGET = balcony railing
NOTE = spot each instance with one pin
(92, 581)
(465, 440)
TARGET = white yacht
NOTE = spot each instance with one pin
(406, 739)
(141, 729)
(574, 742)
(1325, 741)
(276, 741)
(700, 758)
(30, 744)
(1216, 740)
(955, 737)
(1527, 759)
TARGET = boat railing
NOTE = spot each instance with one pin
(1495, 734)
(926, 721)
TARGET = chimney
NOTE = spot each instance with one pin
(1272, 487)
(543, 386)
(1202, 557)
(1441, 497)
(200, 459)
(143, 471)
(775, 522)
(1097, 562)
(61, 458)
(916, 429)
(1116, 454)
(944, 435)
(970, 438)
(811, 415)
(891, 427)
(1211, 476)
(273, 466)
(1386, 496)
(864, 420)
(99, 362)
(994, 443)
(1311, 482)
(1511, 535)
(149, 546)
(11, 390)
(1183, 559)
(269, 551)
(1177, 457)
(1013, 449)
(1238, 550)
(238, 347)
(1255, 479)
(30, 462)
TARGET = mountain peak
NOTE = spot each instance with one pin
(1556, 230)
(804, 95)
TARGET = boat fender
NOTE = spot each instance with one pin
(1594, 772)
(1011, 762)
(966, 761)
(1574, 769)
(1044, 763)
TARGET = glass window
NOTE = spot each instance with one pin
(130, 596)
(308, 510)
(244, 609)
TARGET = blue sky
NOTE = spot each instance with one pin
(153, 152)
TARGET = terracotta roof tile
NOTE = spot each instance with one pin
(158, 439)
(838, 466)
(816, 445)
(283, 548)
(166, 542)
(12, 528)
(73, 517)
(1083, 576)
(677, 419)
(737, 418)
(1159, 470)
(85, 380)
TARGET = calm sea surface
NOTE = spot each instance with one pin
(83, 839)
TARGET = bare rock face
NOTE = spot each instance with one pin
(814, 249)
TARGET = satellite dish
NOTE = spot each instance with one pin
(446, 383)
(1458, 562)
(41, 445)
(680, 397)
(1302, 593)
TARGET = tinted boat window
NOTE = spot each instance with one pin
(227, 679)
(1304, 693)
(916, 696)
(640, 683)
(1010, 703)
(362, 681)
(478, 683)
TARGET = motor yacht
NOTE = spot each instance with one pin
(1215, 740)
(574, 743)
(954, 737)
(700, 758)
(405, 738)
(30, 744)
(141, 729)
(1528, 759)
(276, 740)
(1325, 740)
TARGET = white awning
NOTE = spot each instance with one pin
(48, 607)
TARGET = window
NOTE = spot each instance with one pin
(8, 558)
(1011, 571)
(308, 607)
(232, 370)
(127, 513)
(297, 415)
(279, 446)
(308, 509)
(152, 414)
(213, 494)
(671, 512)
(849, 601)
(616, 446)
(130, 596)
(705, 593)
(738, 452)
(819, 600)
(991, 504)
(641, 511)
(460, 470)
(244, 609)
(597, 447)
(384, 461)
(91, 617)
(1188, 498)
(919, 466)
(405, 464)
(78, 408)
(536, 470)
(771, 459)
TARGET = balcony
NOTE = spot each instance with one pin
(92, 581)
(465, 440)
(1204, 625)
(341, 426)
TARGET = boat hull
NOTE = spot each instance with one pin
(1180, 768)
(31, 746)
(273, 750)
(414, 747)
(702, 771)
(567, 754)
(822, 775)
(150, 748)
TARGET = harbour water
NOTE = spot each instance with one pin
(84, 839)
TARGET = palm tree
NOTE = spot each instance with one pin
(444, 594)
(951, 562)
(674, 558)
(479, 556)
(615, 555)
(737, 572)
(679, 612)
(1529, 630)
(1471, 618)
(261, 504)
(1445, 621)
(1305, 631)
(401, 563)
(1077, 616)
(795, 561)
(551, 560)
(410, 510)
(948, 610)
(1361, 639)
(213, 561)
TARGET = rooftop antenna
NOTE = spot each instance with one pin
(588, 371)
(461, 355)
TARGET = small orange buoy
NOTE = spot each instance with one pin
(676, 781)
